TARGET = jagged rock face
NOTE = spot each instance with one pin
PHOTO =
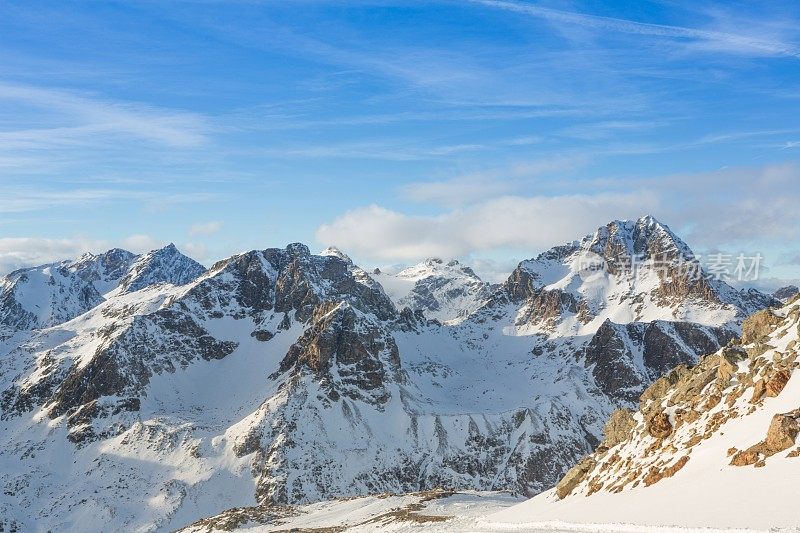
(645, 239)
(104, 270)
(784, 294)
(624, 359)
(289, 281)
(348, 353)
(165, 265)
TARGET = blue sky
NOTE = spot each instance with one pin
(484, 130)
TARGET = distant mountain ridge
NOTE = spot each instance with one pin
(280, 376)
(48, 295)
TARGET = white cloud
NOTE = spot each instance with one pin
(526, 223)
(141, 243)
(457, 191)
(205, 228)
(18, 252)
(198, 252)
(487, 184)
(730, 207)
(78, 117)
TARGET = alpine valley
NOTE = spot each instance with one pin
(279, 389)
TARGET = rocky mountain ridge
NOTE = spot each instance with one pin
(279, 376)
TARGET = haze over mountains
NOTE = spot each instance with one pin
(282, 377)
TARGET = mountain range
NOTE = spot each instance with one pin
(147, 392)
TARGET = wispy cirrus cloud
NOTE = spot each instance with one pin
(205, 228)
(478, 186)
(21, 199)
(739, 43)
(82, 118)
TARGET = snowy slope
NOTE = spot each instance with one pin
(433, 511)
(718, 442)
(44, 296)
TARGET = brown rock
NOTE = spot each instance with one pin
(745, 457)
(655, 474)
(759, 389)
(777, 382)
(782, 431)
(618, 428)
(659, 426)
(759, 325)
(574, 477)
(712, 402)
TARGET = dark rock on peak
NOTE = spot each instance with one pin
(784, 294)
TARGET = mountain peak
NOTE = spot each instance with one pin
(332, 251)
(644, 238)
(163, 265)
(298, 249)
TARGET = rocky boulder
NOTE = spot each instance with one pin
(782, 431)
(617, 429)
(659, 426)
(574, 477)
(759, 325)
(777, 382)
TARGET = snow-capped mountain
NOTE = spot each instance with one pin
(48, 295)
(278, 376)
(44, 296)
(717, 441)
(103, 270)
(446, 291)
(165, 265)
(627, 271)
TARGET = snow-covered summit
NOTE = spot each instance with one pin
(104, 270)
(44, 296)
(164, 265)
(444, 290)
(625, 271)
(332, 251)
